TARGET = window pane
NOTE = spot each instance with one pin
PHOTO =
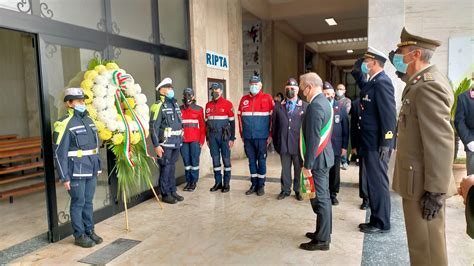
(142, 68)
(85, 13)
(132, 19)
(173, 26)
(23, 6)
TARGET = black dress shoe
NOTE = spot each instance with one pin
(176, 196)
(298, 196)
(225, 188)
(372, 230)
(216, 187)
(282, 195)
(192, 187)
(169, 199)
(364, 205)
(186, 188)
(251, 190)
(334, 202)
(315, 245)
(364, 225)
(261, 191)
(310, 235)
(84, 241)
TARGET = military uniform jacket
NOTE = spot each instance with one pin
(425, 143)
(464, 118)
(166, 128)
(317, 115)
(76, 147)
(378, 114)
(286, 127)
(340, 130)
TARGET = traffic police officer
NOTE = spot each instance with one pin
(255, 117)
(167, 137)
(378, 122)
(339, 140)
(425, 149)
(465, 126)
(286, 123)
(76, 154)
(194, 136)
(220, 125)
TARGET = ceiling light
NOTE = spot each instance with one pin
(331, 21)
(350, 51)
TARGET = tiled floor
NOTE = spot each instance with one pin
(215, 229)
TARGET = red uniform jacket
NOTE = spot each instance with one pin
(193, 123)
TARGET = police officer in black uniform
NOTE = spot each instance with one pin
(378, 122)
(166, 132)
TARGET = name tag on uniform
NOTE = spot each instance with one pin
(337, 119)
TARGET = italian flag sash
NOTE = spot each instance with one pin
(308, 190)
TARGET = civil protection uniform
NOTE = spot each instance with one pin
(76, 154)
(220, 126)
(425, 151)
(377, 122)
(194, 129)
(255, 117)
(166, 130)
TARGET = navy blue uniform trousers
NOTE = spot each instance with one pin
(220, 147)
(191, 151)
(167, 162)
(81, 209)
(256, 151)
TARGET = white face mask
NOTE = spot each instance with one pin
(340, 93)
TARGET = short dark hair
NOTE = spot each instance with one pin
(380, 63)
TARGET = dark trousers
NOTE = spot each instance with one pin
(286, 161)
(81, 209)
(335, 177)
(167, 162)
(375, 171)
(191, 151)
(322, 204)
(256, 151)
(363, 192)
(219, 147)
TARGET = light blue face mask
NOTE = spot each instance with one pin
(364, 68)
(170, 94)
(80, 108)
(398, 63)
(254, 89)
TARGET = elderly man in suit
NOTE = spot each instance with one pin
(319, 157)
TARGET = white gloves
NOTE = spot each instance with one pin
(470, 146)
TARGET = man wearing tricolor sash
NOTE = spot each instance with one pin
(318, 157)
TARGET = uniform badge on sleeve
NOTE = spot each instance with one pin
(389, 135)
(337, 119)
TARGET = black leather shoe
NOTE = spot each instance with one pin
(261, 191)
(372, 230)
(364, 225)
(251, 190)
(334, 202)
(310, 235)
(315, 245)
(169, 199)
(92, 235)
(364, 205)
(216, 187)
(176, 196)
(84, 242)
(298, 196)
(226, 188)
(186, 188)
(282, 195)
(192, 187)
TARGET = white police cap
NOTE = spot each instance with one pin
(375, 54)
(74, 93)
(167, 82)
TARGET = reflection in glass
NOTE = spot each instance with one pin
(84, 13)
(132, 19)
(173, 23)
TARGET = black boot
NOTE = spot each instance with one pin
(261, 191)
(251, 190)
(216, 187)
(365, 204)
(225, 188)
(188, 185)
(92, 235)
(176, 196)
(192, 187)
(84, 241)
(169, 199)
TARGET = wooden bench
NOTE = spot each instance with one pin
(20, 160)
(6, 137)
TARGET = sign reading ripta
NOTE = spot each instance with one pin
(216, 60)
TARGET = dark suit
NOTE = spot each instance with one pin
(286, 131)
(339, 141)
(317, 115)
(464, 123)
(355, 143)
(377, 122)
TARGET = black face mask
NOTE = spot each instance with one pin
(187, 99)
(290, 94)
(215, 95)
